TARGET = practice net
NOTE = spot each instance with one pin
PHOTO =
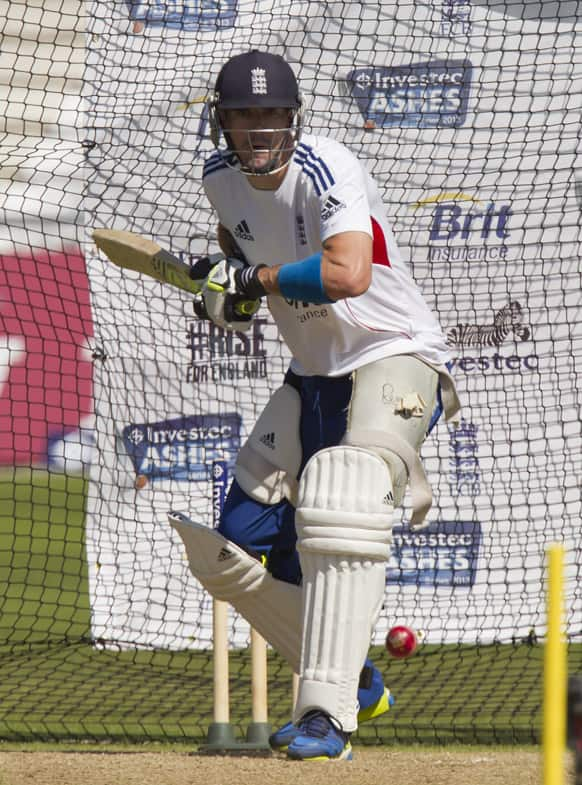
(115, 402)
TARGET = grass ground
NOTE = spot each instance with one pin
(56, 685)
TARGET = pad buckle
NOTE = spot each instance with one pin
(411, 405)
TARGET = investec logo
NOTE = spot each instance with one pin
(185, 14)
(444, 554)
(507, 326)
(160, 435)
(464, 227)
(427, 94)
(136, 435)
(182, 448)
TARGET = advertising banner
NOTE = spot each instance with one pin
(45, 360)
(475, 153)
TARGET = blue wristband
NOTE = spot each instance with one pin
(302, 281)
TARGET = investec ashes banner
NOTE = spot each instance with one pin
(475, 154)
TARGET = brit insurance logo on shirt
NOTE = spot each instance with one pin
(431, 94)
(191, 15)
(182, 448)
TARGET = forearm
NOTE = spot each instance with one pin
(300, 280)
(333, 281)
(269, 277)
(341, 270)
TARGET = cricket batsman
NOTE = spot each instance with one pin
(305, 534)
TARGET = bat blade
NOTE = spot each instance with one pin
(133, 252)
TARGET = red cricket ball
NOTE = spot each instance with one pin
(401, 642)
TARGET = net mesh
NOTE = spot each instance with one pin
(115, 400)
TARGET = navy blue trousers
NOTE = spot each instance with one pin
(269, 530)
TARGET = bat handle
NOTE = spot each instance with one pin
(247, 307)
(200, 269)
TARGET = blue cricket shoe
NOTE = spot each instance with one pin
(318, 739)
(282, 738)
(374, 699)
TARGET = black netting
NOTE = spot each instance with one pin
(115, 400)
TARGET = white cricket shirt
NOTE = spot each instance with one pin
(327, 191)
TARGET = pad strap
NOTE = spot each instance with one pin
(449, 396)
(420, 490)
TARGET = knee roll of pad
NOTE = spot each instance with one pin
(345, 504)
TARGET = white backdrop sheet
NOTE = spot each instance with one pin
(468, 116)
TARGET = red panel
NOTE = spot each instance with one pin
(45, 372)
(380, 249)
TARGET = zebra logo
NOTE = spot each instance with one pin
(507, 322)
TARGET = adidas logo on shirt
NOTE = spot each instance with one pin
(330, 207)
(242, 231)
(268, 439)
(225, 554)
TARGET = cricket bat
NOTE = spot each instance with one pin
(133, 252)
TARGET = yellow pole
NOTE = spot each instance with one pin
(555, 670)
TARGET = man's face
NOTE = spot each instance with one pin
(260, 137)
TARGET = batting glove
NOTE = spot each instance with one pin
(231, 276)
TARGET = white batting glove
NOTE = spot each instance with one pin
(221, 299)
(231, 276)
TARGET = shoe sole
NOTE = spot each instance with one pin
(346, 754)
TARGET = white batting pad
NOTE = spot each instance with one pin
(229, 573)
(344, 521)
(345, 504)
(342, 600)
(268, 463)
(392, 403)
(394, 395)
